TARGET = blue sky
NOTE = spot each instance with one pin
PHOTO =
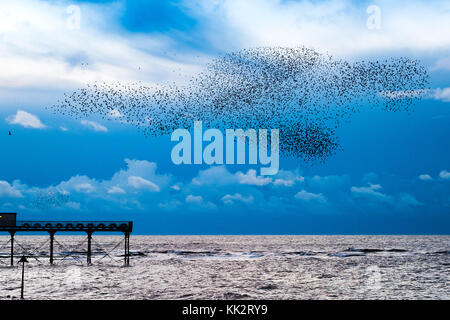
(392, 176)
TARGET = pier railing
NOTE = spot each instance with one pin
(117, 226)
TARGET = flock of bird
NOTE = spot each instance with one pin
(304, 93)
(49, 199)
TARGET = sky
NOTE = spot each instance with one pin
(392, 175)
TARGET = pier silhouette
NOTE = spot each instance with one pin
(8, 223)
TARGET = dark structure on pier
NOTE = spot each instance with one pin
(9, 224)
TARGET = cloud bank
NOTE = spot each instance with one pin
(41, 49)
(140, 187)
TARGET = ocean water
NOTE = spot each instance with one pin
(232, 267)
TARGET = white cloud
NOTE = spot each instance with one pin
(139, 175)
(442, 63)
(63, 128)
(85, 187)
(194, 199)
(169, 204)
(220, 176)
(442, 94)
(329, 183)
(40, 51)
(73, 205)
(425, 177)
(116, 190)
(26, 120)
(309, 196)
(371, 192)
(6, 190)
(444, 174)
(284, 182)
(251, 178)
(408, 200)
(406, 94)
(217, 175)
(230, 199)
(288, 178)
(175, 187)
(141, 183)
(115, 114)
(337, 26)
(94, 125)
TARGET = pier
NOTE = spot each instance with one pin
(9, 224)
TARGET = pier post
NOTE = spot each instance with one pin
(12, 247)
(89, 253)
(127, 248)
(52, 238)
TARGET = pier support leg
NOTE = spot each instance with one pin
(127, 248)
(52, 238)
(12, 247)
(89, 252)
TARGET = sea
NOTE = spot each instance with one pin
(229, 267)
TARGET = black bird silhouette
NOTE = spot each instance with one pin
(9, 132)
